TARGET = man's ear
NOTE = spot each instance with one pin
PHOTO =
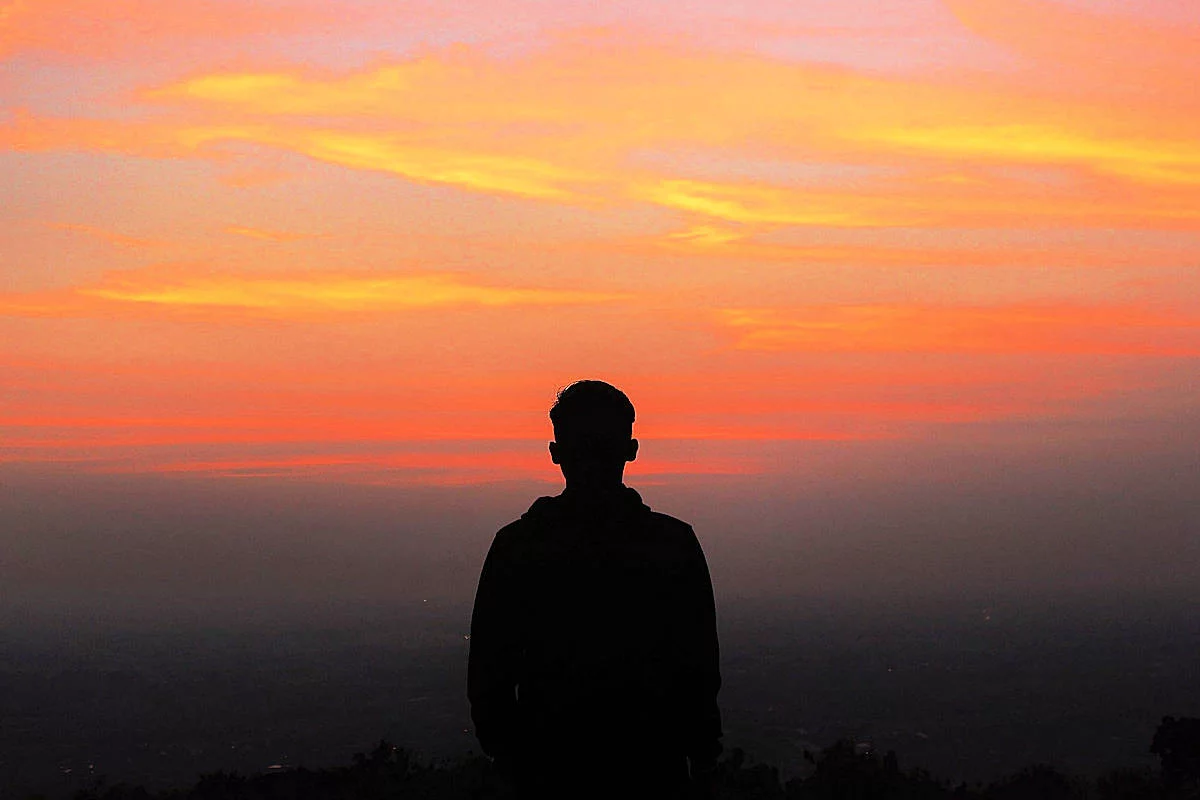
(632, 454)
(554, 452)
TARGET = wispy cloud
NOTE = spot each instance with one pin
(740, 245)
(267, 235)
(1150, 161)
(1049, 329)
(562, 124)
(769, 205)
(287, 296)
(705, 236)
(103, 234)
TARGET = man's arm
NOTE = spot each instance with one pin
(703, 744)
(495, 652)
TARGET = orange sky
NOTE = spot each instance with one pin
(262, 238)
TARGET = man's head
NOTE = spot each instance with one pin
(593, 434)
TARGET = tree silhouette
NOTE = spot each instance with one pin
(1177, 745)
(846, 770)
(1039, 782)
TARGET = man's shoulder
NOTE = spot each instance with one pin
(674, 539)
(528, 523)
(515, 531)
(670, 526)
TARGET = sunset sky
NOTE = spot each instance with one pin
(364, 243)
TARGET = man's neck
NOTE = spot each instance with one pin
(593, 492)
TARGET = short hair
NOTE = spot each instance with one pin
(592, 403)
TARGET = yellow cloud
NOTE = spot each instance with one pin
(706, 236)
(486, 172)
(569, 124)
(1155, 162)
(301, 296)
(759, 204)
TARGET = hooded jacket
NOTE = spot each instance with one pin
(594, 630)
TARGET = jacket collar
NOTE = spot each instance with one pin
(622, 501)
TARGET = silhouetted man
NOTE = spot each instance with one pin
(594, 665)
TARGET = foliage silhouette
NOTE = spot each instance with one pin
(1038, 782)
(1177, 745)
(846, 770)
(849, 770)
(1129, 784)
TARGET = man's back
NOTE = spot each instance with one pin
(593, 641)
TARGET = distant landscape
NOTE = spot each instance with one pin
(904, 294)
(968, 691)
